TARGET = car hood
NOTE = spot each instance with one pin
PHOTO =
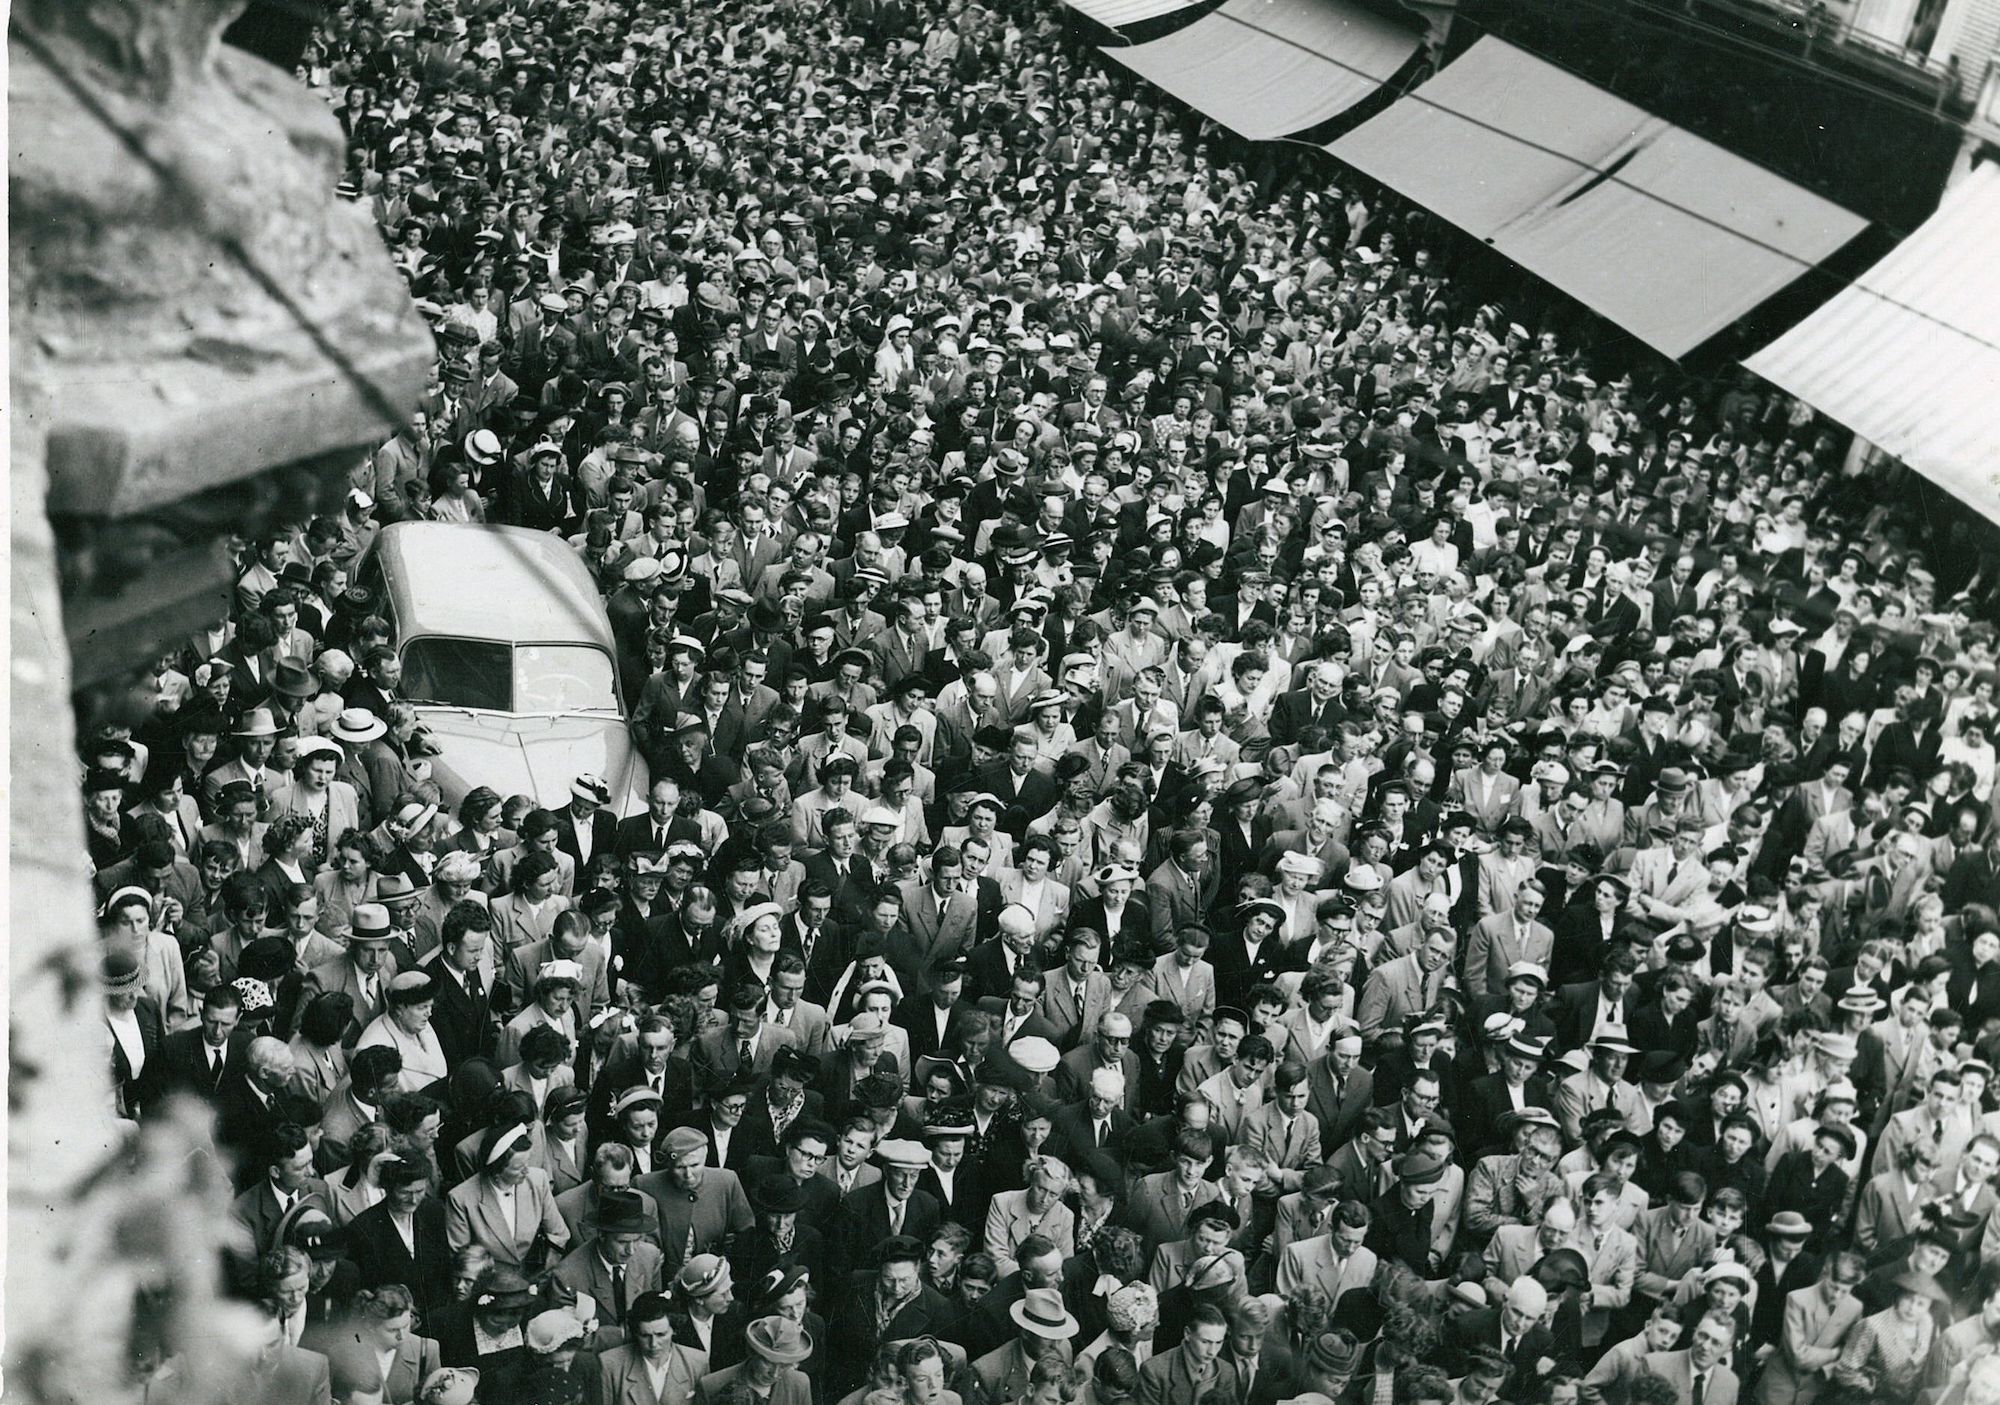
(537, 756)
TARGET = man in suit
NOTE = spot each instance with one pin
(1513, 1331)
(1601, 1085)
(891, 1304)
(1282, 1129)
(403, 1239)
(283, 1374)
(1077, 995)
(1334, 1260)
(1817, 1321)
(1698, 1374)
(1517, 1085)
(891, 1206)
(363, 974)
(659, 825)
(1176, 891)
(1160, 1203)
(1025, 793)
(203, 1059)
(1406, 986)
(941, 918)
(255, 1106)
(625, 1374)
(1043, 1325)
(748, 1043)
(1339, 1089)
(1500, 942)
(287, 1180)
(616, 1264)
(992, 968)
(1096, 1122)
(1583, 1009)
(462, 1006)
(1194, 1370)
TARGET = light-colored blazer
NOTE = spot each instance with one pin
(1059, 1005)
(1496, 944)
(1290, 1150)
(473, 1215)
(1813, 1337)
(1192, 990)
(622, 1377)
(1009, 1221)
(1720, 1388)
(1051, 913)
(1309, 1263)
(1614, 1266)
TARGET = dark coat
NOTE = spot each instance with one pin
(378, 1252)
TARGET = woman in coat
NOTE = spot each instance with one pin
(1885, 1358)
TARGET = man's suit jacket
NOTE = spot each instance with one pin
(1289, 1152)
(464, 1025)
(603, 835)
(862, 1222)
(1393, 991)
(1167, 1379)
(1075, 1021)
(1678, 1368)
(1480, 1331)
(790, 1388)
(182, 1065)
(256, 1209)
(1191, 989)
(1487, 1100)
(378, 1251)
(1338, 1109)
(1496, 944)
(987, 973)
(1310, 1263)
(1156, 1211)
(935, 940)
(715, 1054)
(1073, 1134)
(634, 834)
(473, 1214)
(586, 1273)
(1811, 1340)
(1174, 898)
(1576, 1013)
(852, 1323)
(622, 1378)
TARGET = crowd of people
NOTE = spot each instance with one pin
(1227, 823)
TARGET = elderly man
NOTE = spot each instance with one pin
(1515, 1189)
(1038, 1210)
(1110, 1048)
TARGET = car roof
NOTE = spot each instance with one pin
(506, 584)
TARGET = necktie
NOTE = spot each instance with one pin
(743, 1053)
(895, 1218)
(1100, 1134)
(1700, 1384)
(473, 987)
(1937, 1134)
(618, 1290)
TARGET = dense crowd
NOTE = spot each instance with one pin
(1226, 821)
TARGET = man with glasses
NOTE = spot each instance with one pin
(1110, 1048)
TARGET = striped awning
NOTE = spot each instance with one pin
(1667, 234)
(1908, 356)
(1268, 68)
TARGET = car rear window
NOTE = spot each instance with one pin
(538, 678)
